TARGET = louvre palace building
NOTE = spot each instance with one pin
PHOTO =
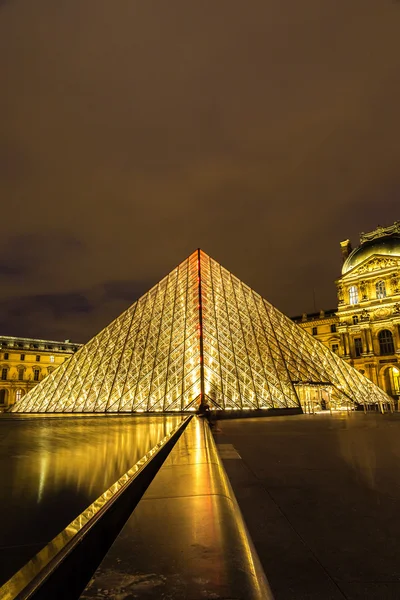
(364, 329)
(24, 362)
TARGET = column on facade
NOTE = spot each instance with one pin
(343, 343)
(364, 341)
(347, 338)
(367, 340)
(370, 343)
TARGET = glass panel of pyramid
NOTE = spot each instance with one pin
(200, 332)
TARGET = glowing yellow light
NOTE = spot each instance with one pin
(161, 348)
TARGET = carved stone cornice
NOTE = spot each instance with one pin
(375, 264)
(380, 232)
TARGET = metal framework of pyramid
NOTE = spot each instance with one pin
(200, 333)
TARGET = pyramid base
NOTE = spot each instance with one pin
(251, 414)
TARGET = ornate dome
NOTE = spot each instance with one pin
(387, 245)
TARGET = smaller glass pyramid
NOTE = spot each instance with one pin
(200, 333)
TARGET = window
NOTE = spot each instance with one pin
(315, 330)
(38, 358)
(22, 357)
(5, 355)
(380, 289)
(21, 374)
(386, 345)
(4, 373)
(353, 295)
(333, 328)
(355, 319)
(18, 395)
(51, 358)
(358, 346)
(335, 348)
(36, 373)
(2, 396)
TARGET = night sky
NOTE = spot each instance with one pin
(134, 131)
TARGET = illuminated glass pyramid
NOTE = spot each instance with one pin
(199, 333)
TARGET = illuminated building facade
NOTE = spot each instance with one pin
(200, 335)
(365, 328)
(24, 362)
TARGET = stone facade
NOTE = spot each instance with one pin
(365, 328)
(24, 362)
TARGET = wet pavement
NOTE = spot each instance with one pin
(52, 468)
(320, 495)
(186, 537)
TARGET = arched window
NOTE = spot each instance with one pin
(380, 289)
(386, 345)
(355, 319)
(3, 396)
(353, 295)
(18, 395)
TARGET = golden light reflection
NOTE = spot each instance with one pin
(82, 457)
(225, 529)
(11, 589)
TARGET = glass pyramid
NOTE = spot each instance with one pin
(199, 333)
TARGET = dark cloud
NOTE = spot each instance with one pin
(27, 315)
(60, 305)
(264, 134)
(8, 269)
(70, 314)
(128, 291)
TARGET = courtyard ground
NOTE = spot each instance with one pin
(320, 495)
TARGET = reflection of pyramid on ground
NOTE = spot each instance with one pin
(200, 332)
